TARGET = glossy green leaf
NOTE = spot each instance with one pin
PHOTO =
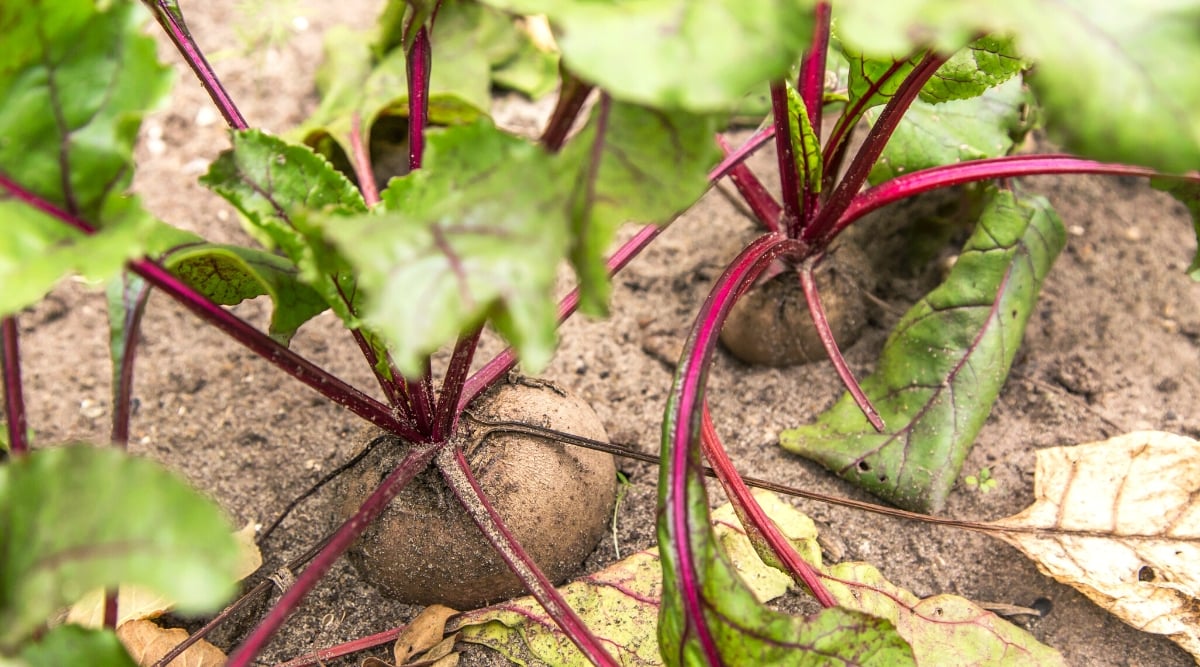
(1188, 193)
(1115, 77)
(983, 64)
(77, 518)
(634, 164)
(701, 55)
(476, 234)
(229, 275)
(943, 365)
(806, 141)
(269, 180)
(73, 645)
(932, 135)
(871, 81)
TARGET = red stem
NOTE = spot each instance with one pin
(419, 66)
(835, 148)
(811, 86)
(414, 462)
(755, 194)
(362, 162)
(755, 142)
(457, 473)
(192, 55)
(759, 527)
(14, 393)
(809, 285)
(856, 174)
(909, 185)
(447, 411)
(785, 155)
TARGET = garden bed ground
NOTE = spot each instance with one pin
(1114, 346)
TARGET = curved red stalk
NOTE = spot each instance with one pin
(415, 461)
(755, 142)
(909, 185)
(835, 148)
(681, 447)
(457, 473)
(809, 285)
(333, 652)
(785, 158)
(759, 527)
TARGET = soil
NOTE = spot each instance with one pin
(1113, 347)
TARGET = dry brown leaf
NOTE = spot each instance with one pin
(423, 633)
(147, 643)
(1126, 516)
(441, 650)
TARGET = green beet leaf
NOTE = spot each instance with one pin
(229, 275)
(700, 55)
(651, 165)
(73, 519)
(932, 135)
(1115, 78)
(1188, 193)
(943, 365)
(983, 64)
(472, 45)
(476, 234)
(73, 645)
(270, 181)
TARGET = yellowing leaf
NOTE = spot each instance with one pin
(137, 602)
(1125, 516)
(147, 643)
(620, 605)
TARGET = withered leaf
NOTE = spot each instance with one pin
(147, 643)
(1122, 520)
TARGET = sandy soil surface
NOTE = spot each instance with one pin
(1114, 346)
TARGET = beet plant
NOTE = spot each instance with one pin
(471, 229)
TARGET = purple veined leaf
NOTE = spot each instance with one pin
(944, 364)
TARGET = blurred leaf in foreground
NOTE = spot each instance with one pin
(77, 518)
(1122, 521)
